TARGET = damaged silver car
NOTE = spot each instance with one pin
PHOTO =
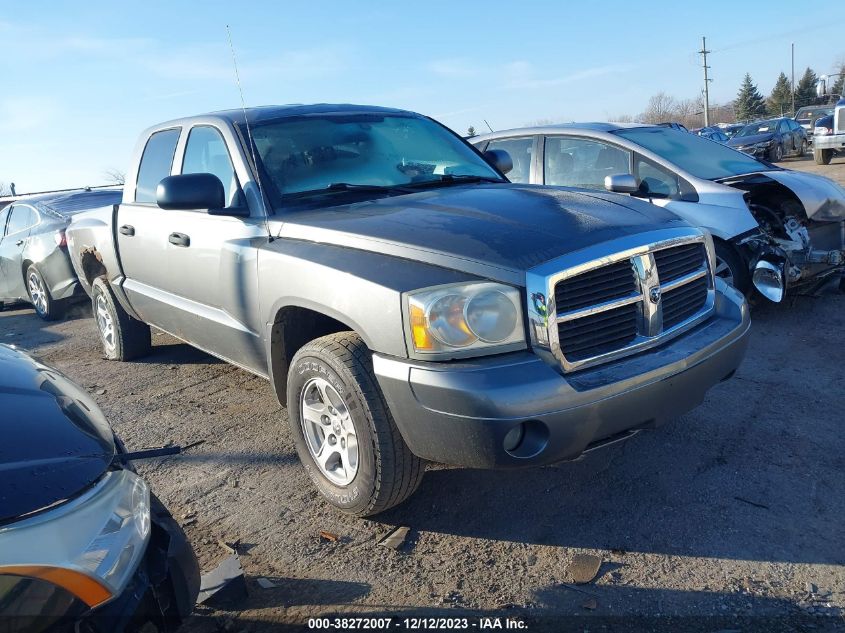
(776, 228)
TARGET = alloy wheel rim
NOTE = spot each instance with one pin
(723, 271)
(329, 432)
(37, 294)
(105, 323)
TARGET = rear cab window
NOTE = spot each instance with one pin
(156, 163)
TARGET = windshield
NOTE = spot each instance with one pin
(813, 113)
(361, 153)
(761, 127)
(698, 156)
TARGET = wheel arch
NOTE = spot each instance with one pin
(294, 325)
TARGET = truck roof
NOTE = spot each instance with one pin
(258, 114)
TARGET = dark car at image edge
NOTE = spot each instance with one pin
(84, 545)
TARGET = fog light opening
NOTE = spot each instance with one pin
(526, 439)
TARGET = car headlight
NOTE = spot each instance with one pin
(90, 546)
(763, 145)
(464, 320)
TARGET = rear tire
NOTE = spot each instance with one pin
(45, 306)
(803, 149)
(333, 396)
(122, 337)
(731, 267)
(823, 156)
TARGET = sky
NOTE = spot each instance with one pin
(81, 80)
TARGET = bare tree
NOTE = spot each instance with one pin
(661, 107)
(621, 118)
(5, 190)
(115, 176)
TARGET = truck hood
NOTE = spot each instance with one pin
(54, 442)
(501, 226)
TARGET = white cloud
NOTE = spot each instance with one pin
(22, 114)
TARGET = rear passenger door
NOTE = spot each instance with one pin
(21, 218)
(142, 238)
(572, 161)
(4, 284)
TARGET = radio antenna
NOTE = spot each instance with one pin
(249, 135)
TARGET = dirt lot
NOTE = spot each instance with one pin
(730, 518)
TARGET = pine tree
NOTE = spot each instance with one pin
(470, 131)
(780, 101)
(749, 103)
(805, 91)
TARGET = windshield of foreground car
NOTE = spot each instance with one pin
(761, 127)
(698, 156)
(360, 154)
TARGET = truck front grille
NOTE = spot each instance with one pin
(616, 308)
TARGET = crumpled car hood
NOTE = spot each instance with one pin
(823, 199)
(742, 141)
(54, 441)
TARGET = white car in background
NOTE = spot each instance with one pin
(777, 228)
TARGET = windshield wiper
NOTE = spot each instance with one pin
(449, 179)
(338, 187)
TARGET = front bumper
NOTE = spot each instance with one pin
(461, 413)
(830, 141)
(163, 590)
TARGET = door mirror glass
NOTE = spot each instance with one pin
(190, 191)
(621, 183)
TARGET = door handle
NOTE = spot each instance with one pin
(127, 229)
(179, 239)
(19, 242)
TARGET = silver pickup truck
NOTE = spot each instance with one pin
(405, 300)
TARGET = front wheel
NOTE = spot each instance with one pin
(731, 268)
(777, 153)
(45, 306)
(344, 433)
(823, 156)
(122, 337)
(803, 149)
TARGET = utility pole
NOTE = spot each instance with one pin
(793, 78)
(707, 80)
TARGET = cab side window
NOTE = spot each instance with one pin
(156, 164)
(21, 218)
(580, 162)
(206, 153)
(519, 149)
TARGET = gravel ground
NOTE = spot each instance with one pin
(729, 518)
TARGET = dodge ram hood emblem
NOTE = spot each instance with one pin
(654, 295)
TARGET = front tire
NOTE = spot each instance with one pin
(731, 267)
(122, 337)
(344, 433)
(45, 306)
(777, 153)
(823, 156)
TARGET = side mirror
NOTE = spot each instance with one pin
(768, 278)
(500, 159)
(621, 183)
(191, 191)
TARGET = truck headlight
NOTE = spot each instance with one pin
(89, 546)
(461, 320)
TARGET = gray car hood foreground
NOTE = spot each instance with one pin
(505, 226)
(823, 199)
